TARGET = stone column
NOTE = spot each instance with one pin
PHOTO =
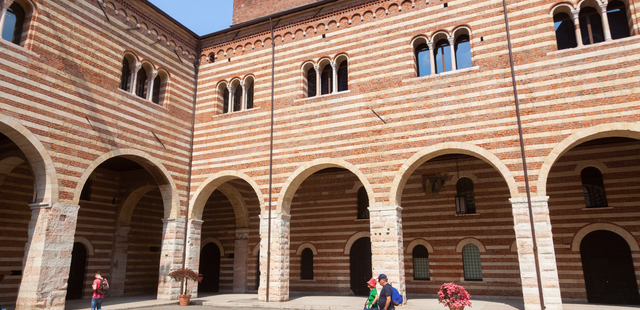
(240, 259)
(134, 78)
(119, 261)
(194, 244)
(279, 271)
(151, 78)
(318, 80)
(432, 57)
(387, 247)
(47, 258)
(452, 42)
(232, 95)
(576, 22)
(244, 86)
(605, 21)
(546, 253)
(5, 6)
(334, 78)
(171, 257)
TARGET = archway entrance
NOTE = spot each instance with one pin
(210, 269)
(608, 269)
(77, 274)
(360, 266)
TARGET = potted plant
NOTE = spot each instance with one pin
(184, 275)
(453, 296)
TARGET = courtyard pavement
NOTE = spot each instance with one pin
(250, 302)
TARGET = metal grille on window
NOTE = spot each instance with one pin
(306, 264)
(471, 263)
(363, 203)
(593, 188)
(343, 76)
(465, 199)
(421, 263)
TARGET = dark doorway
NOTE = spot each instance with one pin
(210, 269)
(75, 286)
(609, 275)
(360, 262)
(258, 271)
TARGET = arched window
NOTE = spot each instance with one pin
(237, 99)
(306, 264)
(618, 22)
(442, 55)
(423, 59)
(363, 203)
(13, 22)
(421, 263)
(593, 188)
(250, 95)
(326, 80)
(471, 263)
(343, 76)
(312, 87)
(157, 84)
(212, 58)
(565, 31)
(465, 200)
(125, 79)
(591, 26)
(225, 100)
(463, 51)
(160, 87)
(141, 83)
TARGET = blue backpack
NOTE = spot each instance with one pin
(396, 297)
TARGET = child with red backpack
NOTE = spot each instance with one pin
(100, 287)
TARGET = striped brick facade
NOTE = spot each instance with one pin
(66, 125)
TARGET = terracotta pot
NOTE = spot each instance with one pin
(184, 299)
(456, 308)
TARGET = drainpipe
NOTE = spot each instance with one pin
(196, 65)
(524, 157)
(273, 71)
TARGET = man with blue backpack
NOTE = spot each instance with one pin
(389, 297)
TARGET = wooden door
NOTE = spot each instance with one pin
(210, 269)
(360, 264)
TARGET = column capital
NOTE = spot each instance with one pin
(242, 233)
(316, 67)
(153, 74)
(576, 15)
(122, 230)
(173, 220)
(452, 40)
(534, 200)
(430, 45)
(603, 8)
(231, 88)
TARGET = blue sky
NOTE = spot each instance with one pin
(201, 16)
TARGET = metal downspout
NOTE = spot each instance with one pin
(273, 71)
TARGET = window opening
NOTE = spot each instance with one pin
(421, 263)
(442, 55)
(311, 83)
(126, 75)
(591, 26)
(471, 263)
(237, 99)
(306, 264)
(593, 188)
(565, 31)
(326, 80)
(363, 203)
(423, 60)
(463, 52)
(343, 76)
(155, 96)
(141, 84)
(225, 100)
(250, 96)
(618, 22)
(13, 22)
(465, 200)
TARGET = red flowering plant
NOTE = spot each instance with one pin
(186, 275)
(454, 296)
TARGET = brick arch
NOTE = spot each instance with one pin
(577, 239)
(160, 174)
(45, 175)
(417, 242)
(433, 151)
(307, 245)
(126, 209)
(473, 241)
(353, 239)
(87, 244)
(217, 181)
(623, 130)
(214, 241)
(306, 170)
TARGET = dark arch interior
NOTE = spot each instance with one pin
(210, 269)
(360, 266)
(77, 273)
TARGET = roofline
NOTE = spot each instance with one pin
(171, 19)
(266, 18)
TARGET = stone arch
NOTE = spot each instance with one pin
(7, 165)
(160, 174)
(303, 172)
(623, 130)
(419, 39)
(214, 182)
(591, 163)
(474, 241)
(237, 202)
(417, 242)
(126, 209)
(306, 245)
(45, 175)
(463, 174)
(87, 244)
(214, 241)
(584, 231)
(353, 239)
(563, 7)
(433, 151)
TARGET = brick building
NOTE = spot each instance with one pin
(396, 149)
